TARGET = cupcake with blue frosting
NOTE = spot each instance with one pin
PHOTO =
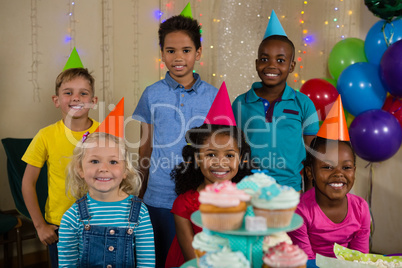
(276, 203)
(205, 242)
(252, 183)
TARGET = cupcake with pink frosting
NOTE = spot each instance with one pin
(285, 255)
(222, 206)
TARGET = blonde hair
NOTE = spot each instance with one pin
(70, 74)
(77, 185)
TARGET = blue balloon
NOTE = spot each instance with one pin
(376, 40)
(361, 88)
(375, 135)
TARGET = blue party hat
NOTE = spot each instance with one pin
(274, 27)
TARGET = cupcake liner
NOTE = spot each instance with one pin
(278, 218)
(222, 221)
(198, 255)
(300, 266)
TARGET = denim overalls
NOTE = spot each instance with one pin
(108, 246)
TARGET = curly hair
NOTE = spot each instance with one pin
(77, 185)
(180, 23)
(188, 176)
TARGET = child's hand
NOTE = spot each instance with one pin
(47, 234)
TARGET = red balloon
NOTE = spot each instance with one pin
(322, 93)
(393, 105)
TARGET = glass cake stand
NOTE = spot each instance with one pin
(248, 242)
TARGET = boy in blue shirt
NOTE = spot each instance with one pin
(167, 109)
(275, 117)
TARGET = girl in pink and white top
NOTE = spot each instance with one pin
(330, 213)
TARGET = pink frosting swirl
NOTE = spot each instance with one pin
(285, 255)
(224, 194)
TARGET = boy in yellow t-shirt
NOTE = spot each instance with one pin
(54, 144)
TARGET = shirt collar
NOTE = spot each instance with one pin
(175, 85)
(251, 96)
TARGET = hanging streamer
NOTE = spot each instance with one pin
(35, 53)
(369, 197)
(388, 41)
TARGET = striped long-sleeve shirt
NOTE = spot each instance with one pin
(111, 214)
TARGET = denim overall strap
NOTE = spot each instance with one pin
(83, 208)
(135, 209)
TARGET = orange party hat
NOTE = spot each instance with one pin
(114, 122)
(221, 112)
(334, 126)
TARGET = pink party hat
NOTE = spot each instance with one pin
(221, 112)
(114, 122)
(274, 27)
(334, 126)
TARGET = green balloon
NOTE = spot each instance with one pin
(332, 81)
(346, 52)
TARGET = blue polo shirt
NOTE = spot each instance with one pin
(275, 131)
(172, 110)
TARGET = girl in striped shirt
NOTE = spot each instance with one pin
(108, 226)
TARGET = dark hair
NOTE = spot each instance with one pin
(316, 143)
(70, 74)
(280, 38)
(188, 176)
(180, 23)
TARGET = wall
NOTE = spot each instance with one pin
(117, 40)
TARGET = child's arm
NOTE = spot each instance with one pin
(144, 240)
(300, 237)
(145, 152)
(308, 184)
(360, 240)
(68, 245)
(307, 139)
(46, 232)
(185, 235)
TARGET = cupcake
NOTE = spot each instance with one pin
(224, 259)
(276, 203)
(222, 206)
(204, 242)
(284, 255)
(274, 239)
(252, 183)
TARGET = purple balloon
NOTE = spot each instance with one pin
(391, 69)
(375, 135)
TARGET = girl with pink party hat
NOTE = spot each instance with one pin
(215, 152)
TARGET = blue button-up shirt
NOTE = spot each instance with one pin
(275, 131)
(172, 110)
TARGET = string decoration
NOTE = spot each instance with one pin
(369, 199)
(71, 24)
(34, 51)
(136, 72)
(107, 39)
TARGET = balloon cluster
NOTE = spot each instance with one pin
(365, 73)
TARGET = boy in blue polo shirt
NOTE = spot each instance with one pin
(167, 109)
(275, 117)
